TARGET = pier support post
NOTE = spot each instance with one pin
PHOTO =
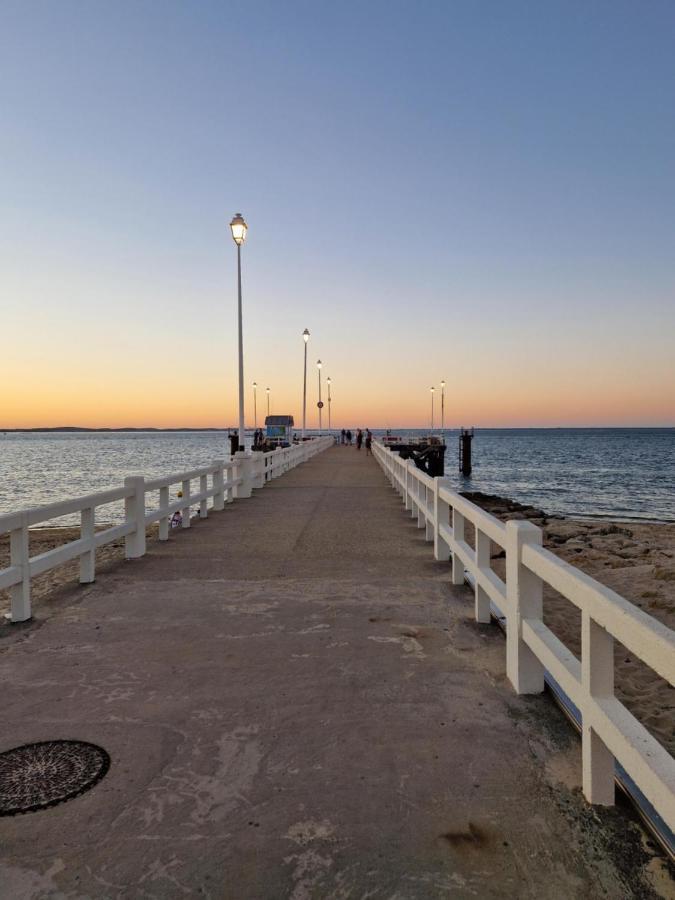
(19, 556)
(597, 679)
(524, 601)
(134, 513)
(218, 484)
(441, 517)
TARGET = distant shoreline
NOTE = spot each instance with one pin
(76, 429)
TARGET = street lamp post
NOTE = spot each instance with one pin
(267, 390)
(443, 407)
(255, 406)
(239, 227)
(432, 409)
(305, 336)
(320, 403)
(328, 382)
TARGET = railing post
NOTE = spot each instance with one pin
(524, 601)
(481, 599)
(203, 504)
(88, 532)
(597, 680)
(134, 513)
(428, 494)
(457, 536)
(259, 470)
(410, 487)
(218, 484)
(19, 555)
(242, 469)
(185, 510)
(441, 516)
(164, 522)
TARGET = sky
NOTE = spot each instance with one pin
(481, 192)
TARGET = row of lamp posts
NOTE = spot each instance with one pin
(255, 403)
(239, 228)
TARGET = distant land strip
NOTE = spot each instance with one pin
(76, 428)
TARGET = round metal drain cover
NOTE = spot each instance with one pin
(36, 776)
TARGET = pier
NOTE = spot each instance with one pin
(300, 699)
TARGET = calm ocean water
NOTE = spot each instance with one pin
(608, 472)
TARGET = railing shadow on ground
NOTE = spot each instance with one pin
(613, 740)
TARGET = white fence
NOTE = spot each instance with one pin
(609, 731)
(221, 481)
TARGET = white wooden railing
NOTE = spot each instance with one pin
(221, 481)
(609, 731)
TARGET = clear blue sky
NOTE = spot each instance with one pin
(475, 187)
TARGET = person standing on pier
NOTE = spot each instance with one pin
(369, 442)
(359, 439)
(349, 436)
(343, 437)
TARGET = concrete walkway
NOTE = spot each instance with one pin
(297, 704)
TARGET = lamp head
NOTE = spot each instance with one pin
(255, 385)
(319, 364)
(432, 390)
(328, 380)
(442, 384)
(239, 228)
(305, 335)
(268, 390)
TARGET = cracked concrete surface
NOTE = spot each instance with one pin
(297, 704)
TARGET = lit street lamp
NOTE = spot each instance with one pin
(255, 407)
(432, 409)
(442, 407)
(305, 336)
(320, 403)
(239, 228)
(267, 390)
(328, 382)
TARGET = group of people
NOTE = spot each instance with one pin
(346, 438)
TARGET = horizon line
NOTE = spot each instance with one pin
(226, 428)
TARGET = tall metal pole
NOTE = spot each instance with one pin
(442, 407)
(268, 400)
(241, 356)
(255, 406)
(304, 395)
(432, 409)
(328, 381)
(320, 409)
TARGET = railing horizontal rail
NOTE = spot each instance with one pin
(37, 514)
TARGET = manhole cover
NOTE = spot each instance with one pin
(36, 776)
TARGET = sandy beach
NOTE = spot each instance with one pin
(637, 560)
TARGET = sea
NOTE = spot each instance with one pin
(608, 473)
